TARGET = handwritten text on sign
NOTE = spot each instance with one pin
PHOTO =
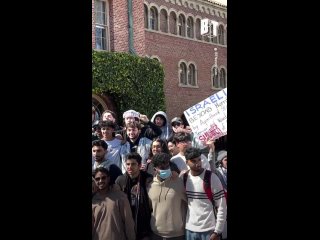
(208, 119)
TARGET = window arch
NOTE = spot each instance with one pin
(223, 80)
(187, 74)
(219, 77)
(190, 27)
(173, 23)
(99, 106)
(183, 73)
(145, 16)
(182, 25)
(215, 77)
(192, 75)
(155, 57)
(163, 20)
(153, 18)
(221, 35)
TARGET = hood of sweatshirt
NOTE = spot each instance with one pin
(166, 128)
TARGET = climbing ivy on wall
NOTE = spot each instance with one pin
(134, 82)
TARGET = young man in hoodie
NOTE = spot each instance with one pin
(161, 120)
(168, 199)
(203, 221)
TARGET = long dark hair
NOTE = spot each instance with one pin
(164, 146)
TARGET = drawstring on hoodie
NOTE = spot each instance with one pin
(160, 192)
(165, 196)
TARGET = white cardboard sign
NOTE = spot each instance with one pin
(208, 118)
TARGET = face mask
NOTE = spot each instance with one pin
(164, 174)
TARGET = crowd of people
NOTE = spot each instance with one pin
(153, 180)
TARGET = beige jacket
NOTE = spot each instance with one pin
(168, 200)
(112, 217)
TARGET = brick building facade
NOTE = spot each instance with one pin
(169, 30)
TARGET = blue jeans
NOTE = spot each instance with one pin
(198, 235)
(156, 237)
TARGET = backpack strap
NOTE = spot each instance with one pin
(208, 191)
(207, 185)
(185, 177)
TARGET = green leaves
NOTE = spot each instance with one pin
(134, 82)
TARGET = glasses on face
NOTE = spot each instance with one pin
(102, 178)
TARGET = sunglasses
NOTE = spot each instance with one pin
(102, 178)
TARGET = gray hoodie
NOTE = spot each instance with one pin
(166, 129)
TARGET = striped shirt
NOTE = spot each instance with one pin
(200, 215)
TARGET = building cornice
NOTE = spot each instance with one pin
(216, 3)
(205, 6)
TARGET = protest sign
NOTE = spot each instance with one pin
(208, 118)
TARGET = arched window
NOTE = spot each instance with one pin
(221, 35)
(182, 25)
(173, 23)
(190, 27)
(192, 75)
(163, 20)
(154, 18)
(223, 82)
(183, 73)
(215, 77)
(156, 58)
(145, 16)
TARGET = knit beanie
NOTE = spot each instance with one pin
(221, 155)
(131, 113)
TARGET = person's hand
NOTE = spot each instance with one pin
(144, 119)
(178, 129)
(214, 236)
(187, 129)
(210, 144)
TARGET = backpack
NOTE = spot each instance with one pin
(206, 187)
